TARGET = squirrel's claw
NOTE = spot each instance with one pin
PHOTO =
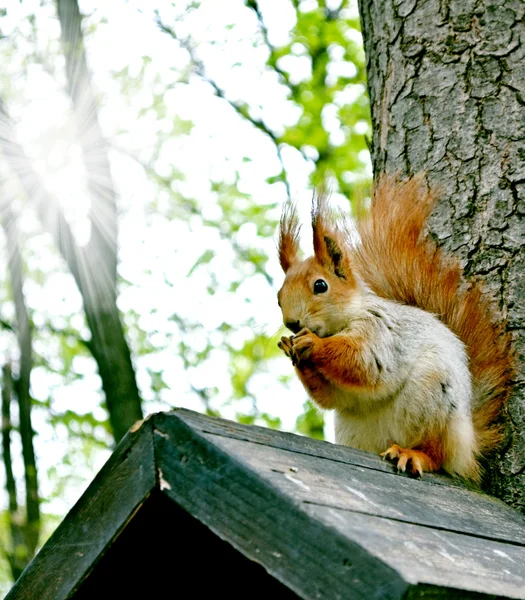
(414, 460)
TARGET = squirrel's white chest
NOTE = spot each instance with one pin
(374, 431)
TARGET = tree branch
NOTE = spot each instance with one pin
(240, 108)
(98, 283)
(284, 76)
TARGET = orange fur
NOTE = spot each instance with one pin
(349, 344)
(340, 360)
(288, 237)
(320, 389)
(338, 363)
(433, 449)
(417, 460)
(399, 263)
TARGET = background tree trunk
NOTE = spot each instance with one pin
(97, 274)
(447, 89)
(25, 530)
(89, 268)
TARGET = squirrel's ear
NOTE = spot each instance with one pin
(337, 258)
(288, 236)
(329, 241)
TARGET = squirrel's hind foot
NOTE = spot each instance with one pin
(408, 459)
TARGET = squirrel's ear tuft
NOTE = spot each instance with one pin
(288, 236)
(329, 238)
(320, 218)
(336, 255)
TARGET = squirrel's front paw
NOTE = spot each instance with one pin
(286, 345)
(303, 344)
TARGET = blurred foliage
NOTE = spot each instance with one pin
(311, 421)
(334, 110)
(201, 184)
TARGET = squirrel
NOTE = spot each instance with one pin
(413, 359)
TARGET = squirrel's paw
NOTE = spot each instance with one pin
(303, 344)
(286, 345)
(415, 461)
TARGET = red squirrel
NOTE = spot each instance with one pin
(387, 333)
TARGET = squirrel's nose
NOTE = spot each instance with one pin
(294, 326)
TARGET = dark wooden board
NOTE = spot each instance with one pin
(93, 523)
(319, 481)
(431, 556)
(240, 507)
(302, 445)
(376, 510)
(324, 520)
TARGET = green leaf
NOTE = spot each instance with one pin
(206, 257)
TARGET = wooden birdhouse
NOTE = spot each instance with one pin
(195, 507)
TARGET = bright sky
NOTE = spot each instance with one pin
(157, 250)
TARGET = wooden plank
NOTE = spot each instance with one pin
(238, 505)
(325, 527)
(255, 496)
(302, 445)
(310, 479)
(438, 558)
(93, 523)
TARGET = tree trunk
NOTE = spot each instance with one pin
(93, 267)
(15, 549)
(97, 280)
(103, 210)
(25, 343)
(447, 91)
(24, 532)
(87, 265)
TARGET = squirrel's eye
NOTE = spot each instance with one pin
(320, 286)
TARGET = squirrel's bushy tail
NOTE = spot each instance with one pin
(398, 262)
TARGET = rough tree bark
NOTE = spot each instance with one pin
(447, 91)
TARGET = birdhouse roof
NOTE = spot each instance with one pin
(311, 519)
